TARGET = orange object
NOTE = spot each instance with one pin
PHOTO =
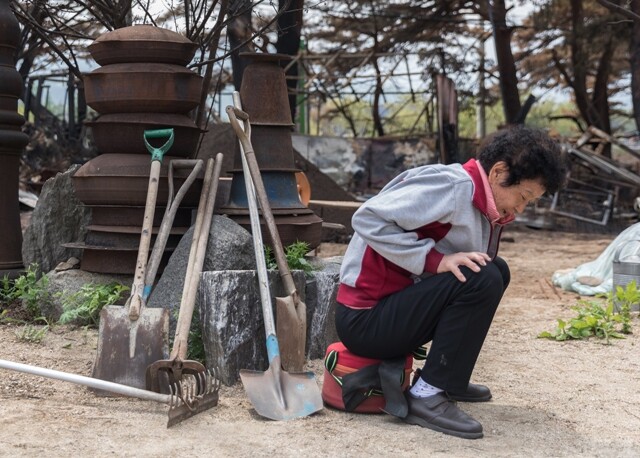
(304, 188)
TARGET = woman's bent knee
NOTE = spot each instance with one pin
(503, 267)
(490, 281)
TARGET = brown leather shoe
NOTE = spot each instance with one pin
(440, 413)
(474, 393)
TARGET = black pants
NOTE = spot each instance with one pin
(454, 316)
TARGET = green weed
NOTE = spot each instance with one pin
(623, 299)
(599, 319)
(195, 343)
(30, 288)
(83, 307)
(295, 256)
(32, 333)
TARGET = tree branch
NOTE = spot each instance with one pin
(618, 9)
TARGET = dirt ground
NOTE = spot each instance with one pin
(579, 398)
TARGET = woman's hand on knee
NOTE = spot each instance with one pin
(452, 263)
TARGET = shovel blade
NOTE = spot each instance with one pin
(291, 328)
(126, 347)
(279, 395)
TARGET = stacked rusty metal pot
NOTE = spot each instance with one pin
(142, 84)
(264, 97)
(12, 142)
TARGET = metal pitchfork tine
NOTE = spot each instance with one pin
(192, 395)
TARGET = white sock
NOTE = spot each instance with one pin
(422, 389)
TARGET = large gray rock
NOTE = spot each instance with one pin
(231, 317)
(71, 281)
(229, 247)
(59, 217)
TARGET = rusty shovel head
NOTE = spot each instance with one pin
(291, 328)
(279, 395)
(126, 347)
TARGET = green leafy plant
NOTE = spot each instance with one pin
(623, 299)
(195, 347)
(6, 290)
(295, 256)
(83, 307)
(599, 319)
(33, 333)
(30, 288)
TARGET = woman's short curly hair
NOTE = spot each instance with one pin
(529, 153)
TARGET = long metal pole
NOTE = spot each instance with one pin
(87, 381)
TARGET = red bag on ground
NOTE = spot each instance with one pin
(339, 362)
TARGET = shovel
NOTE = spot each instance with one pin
(186, 399)
(275, 394)
(133, 336)
(291, 312)
(173, 203)
(177, 365)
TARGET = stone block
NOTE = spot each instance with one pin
(233, 326)
(229, 248)
(232, 320)
(321, 291)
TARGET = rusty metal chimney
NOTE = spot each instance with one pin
(12, 142)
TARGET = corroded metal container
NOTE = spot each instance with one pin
(142, 43)
(130, 215)
(123, 133)
(143, 84)
(123, 179)
(264, 90)
(113, 260)
(274, 148)
(264, 97)
(142, 88)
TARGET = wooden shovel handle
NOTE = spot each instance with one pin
(173, 203)
(196, 257)
(135, 300)
(261, 193)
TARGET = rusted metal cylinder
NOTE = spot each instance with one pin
(142, 43)
(123, 179)
(274, 148)
(123, 133)
(142, 84)
(264, 97)
(12, 141)
(142, 88)
(264, 90)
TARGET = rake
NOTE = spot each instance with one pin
(187, 398)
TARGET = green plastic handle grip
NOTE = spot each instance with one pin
(158, 153)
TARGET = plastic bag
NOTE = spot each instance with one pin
(600, 268)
